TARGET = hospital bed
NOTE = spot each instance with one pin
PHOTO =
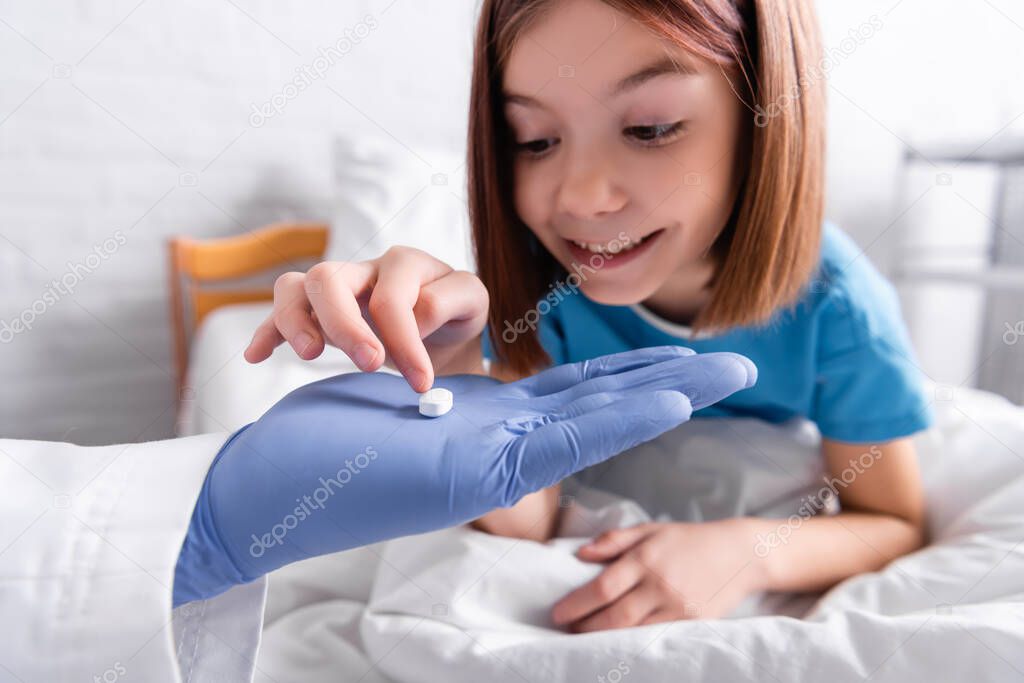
(459, 605)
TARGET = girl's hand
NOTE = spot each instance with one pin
(663, 572)
(405, 308)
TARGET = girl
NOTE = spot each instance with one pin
(651, 173)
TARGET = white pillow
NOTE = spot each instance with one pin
(389, 195)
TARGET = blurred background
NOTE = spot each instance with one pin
(124, 124)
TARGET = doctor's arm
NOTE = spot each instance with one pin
(348, 461)
(93, 536)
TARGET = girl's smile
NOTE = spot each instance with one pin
(613, 253)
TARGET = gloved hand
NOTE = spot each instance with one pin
(349, 461)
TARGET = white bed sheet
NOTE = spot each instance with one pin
(460, 605)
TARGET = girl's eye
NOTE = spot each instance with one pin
(536, 147)
(658, 133)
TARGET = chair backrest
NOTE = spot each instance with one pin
(202, 271)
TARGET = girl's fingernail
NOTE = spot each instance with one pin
(363, 354)
(302, 341)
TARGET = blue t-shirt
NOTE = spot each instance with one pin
(840, 357)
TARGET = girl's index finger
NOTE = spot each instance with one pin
(402, 273)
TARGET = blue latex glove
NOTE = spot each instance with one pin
(349, 461)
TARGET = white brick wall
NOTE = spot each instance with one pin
(103, 107)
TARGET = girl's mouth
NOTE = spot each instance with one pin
(613, 253)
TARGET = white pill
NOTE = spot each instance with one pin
(436, 402)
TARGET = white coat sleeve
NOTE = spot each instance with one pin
(89, 538)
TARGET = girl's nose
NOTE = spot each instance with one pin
(588, 190)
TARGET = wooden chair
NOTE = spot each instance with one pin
(201, 272)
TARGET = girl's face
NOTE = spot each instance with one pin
(624, 165)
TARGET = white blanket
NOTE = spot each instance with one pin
(460, 605)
